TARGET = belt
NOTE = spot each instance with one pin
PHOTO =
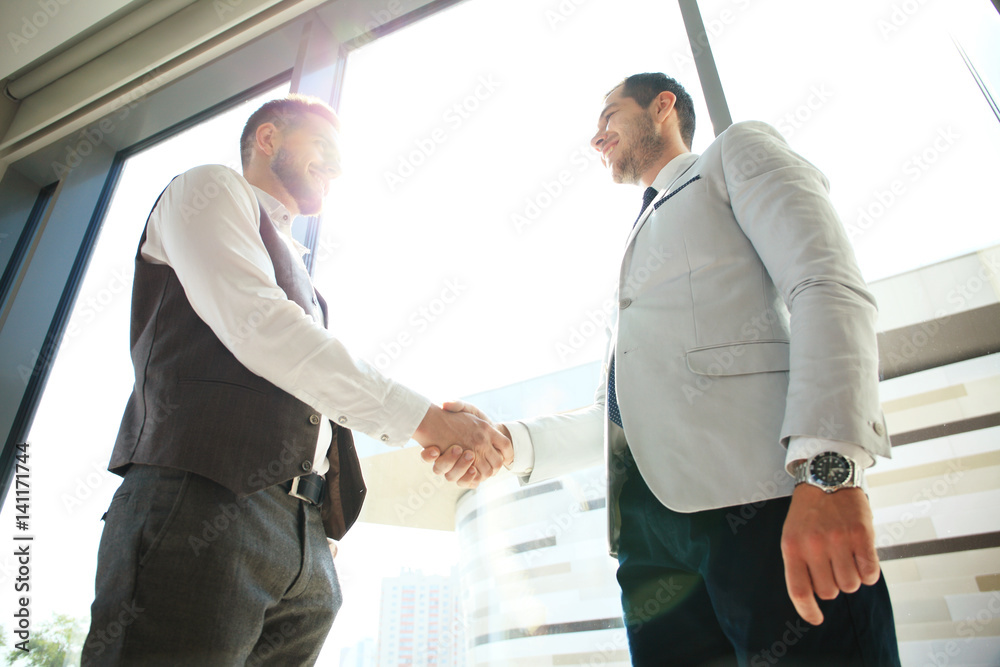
(310, 488)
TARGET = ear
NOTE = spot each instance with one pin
(268, 138)
(662, 105)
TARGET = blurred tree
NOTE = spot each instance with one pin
(57, 643)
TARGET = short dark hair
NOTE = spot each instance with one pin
(644, 88)
(284, 113)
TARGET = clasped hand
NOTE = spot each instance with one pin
(474, 448)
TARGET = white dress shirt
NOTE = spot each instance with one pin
(207, 229)
(799, 447)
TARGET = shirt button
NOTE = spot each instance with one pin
(306, 466)
(624, 303)
(342, 420)
(385, 438)
(879, 428)
(313, 419)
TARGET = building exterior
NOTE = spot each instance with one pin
(420, 622)
(362, 654)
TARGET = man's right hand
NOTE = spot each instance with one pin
(452, 463)
(443, 429)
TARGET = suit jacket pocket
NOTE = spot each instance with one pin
(758, 356)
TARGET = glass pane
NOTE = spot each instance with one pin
(878, 97)
(77, 420)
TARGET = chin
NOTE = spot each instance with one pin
(310, 203)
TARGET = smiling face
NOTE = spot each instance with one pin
(305, 160)
(627, 138)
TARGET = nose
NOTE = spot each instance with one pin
(597, 141)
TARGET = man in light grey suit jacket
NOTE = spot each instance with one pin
(739, 403)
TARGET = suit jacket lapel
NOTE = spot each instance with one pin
(663, 194)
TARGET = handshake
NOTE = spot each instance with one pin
(463, 444)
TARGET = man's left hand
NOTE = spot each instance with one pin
(828, 544)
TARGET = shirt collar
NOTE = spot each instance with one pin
(672, 170)
(280, 216)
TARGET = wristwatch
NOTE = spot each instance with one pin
(829, 471)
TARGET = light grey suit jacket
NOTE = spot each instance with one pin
(742, 320)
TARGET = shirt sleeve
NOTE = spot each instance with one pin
(206, 227)
(524, 450)
(801, 448)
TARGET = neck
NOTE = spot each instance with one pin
(668, 154)
(263, 178)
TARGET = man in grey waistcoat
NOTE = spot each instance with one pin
(236, 447)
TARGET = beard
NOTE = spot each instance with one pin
(641, 153)
(307, 195)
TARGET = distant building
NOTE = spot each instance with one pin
(362, 654)
(420, 622)
(537, 582)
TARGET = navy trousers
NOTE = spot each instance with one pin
(708, 588)
(189, 574)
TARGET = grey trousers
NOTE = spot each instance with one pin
(188, 574)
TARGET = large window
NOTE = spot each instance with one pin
(877, 94)
(472, 247)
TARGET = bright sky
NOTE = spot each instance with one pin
(473, 233)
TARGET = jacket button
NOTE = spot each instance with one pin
(313, 419)
(879, 428)
(624, 303)
(307, 466)
(342, 420)
(385, 438)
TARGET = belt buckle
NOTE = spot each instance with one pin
(311, 490)
(293, 491)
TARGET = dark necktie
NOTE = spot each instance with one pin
(613, 412)
(647, 196)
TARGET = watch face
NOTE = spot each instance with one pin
(830, 469)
